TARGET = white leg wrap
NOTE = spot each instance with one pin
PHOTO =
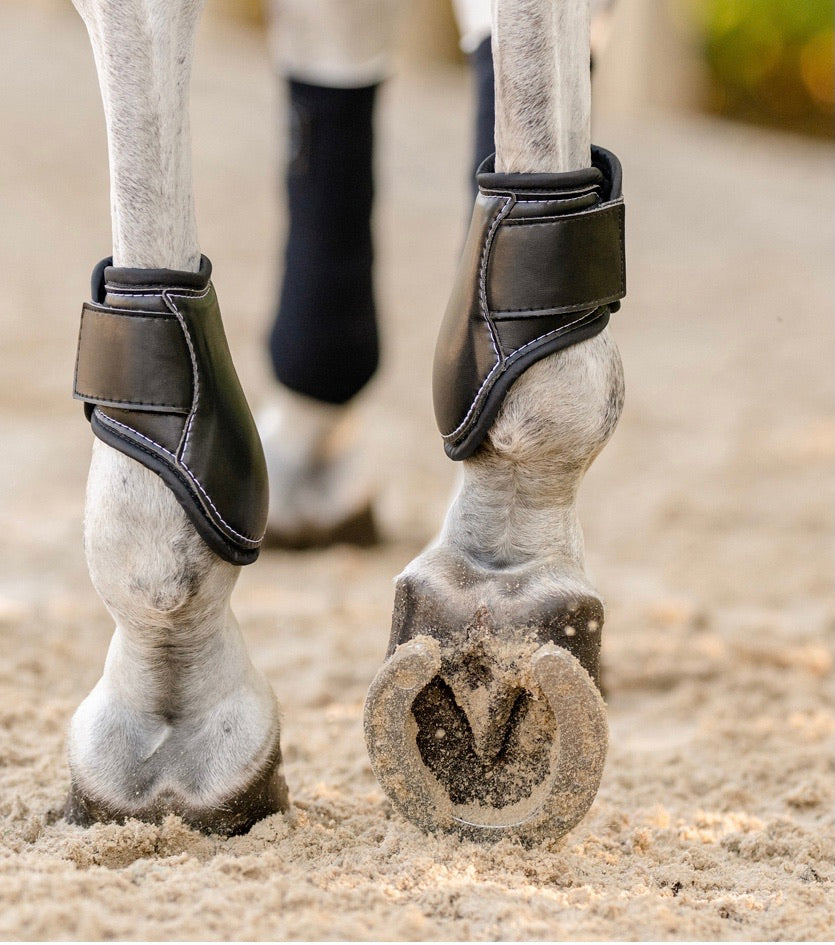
(474, 22)
(335, 43)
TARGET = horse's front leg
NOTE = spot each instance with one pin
(180, 720)
(486, 718)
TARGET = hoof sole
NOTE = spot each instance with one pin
(502, 738)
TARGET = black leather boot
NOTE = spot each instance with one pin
(543, 267)
(159, 385)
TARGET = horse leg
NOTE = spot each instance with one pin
(331, 57)
(180, 720)
(486, 719)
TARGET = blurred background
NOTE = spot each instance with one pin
(768, 62)
(764, 61)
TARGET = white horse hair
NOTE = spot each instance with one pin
(180, 718)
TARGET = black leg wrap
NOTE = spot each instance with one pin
(481, 61)
(543, 267)
(324, 340)
(157, 379)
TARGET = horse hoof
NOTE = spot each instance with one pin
(265, 795)
(486, 736)
(321, 487)
(358, 529)
(218, 767)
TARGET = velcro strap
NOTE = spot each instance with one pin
(553, 265)
(132, 360)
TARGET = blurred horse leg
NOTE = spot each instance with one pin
(331, 56)
(180, 720)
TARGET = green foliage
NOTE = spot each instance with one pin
(771, 60)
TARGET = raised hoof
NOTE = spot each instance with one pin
(487, 736)
(266, 794)
(359, 530)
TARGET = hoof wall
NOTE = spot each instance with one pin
(499, 738)
(266, 795)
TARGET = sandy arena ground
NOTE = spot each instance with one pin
(708, 526)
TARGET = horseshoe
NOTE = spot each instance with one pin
(572, 746)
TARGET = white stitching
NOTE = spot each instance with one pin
(510, 359)
(139, 314)
(109, 420)
(463, 423)
(150, 289)
(576, 215)
(90, 397)
(482, 279)
(124, 426)
(101, 309)
(160, 319)
(563, 198)
(252, 541)
(512, 313)
(519, 193)
(166, 297)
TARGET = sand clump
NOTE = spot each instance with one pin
(707, 521)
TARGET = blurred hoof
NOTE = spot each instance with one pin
(359, 530)
(487, 737)
(322, 488)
